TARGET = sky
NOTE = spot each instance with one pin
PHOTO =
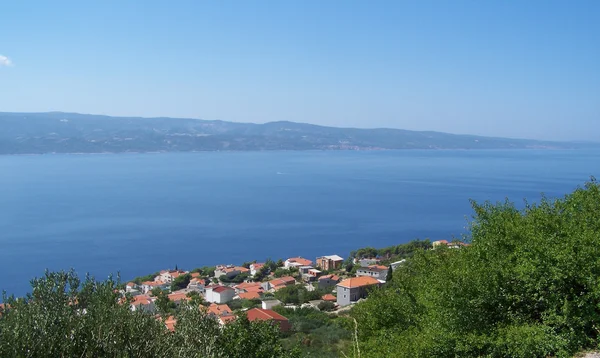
(526, 69)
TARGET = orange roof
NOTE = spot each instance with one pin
(249, 295)
(178, 296)
(300, 260)
(263, 315)
(130, 284)
(331, 277)
(242, 269)
(170, 322)
(219, 310)
(254, 289)
(247, 285)
(153, 283)
(220, 289)
(358, 282)
(195, 274)
(227, 319)
(329, 297)
(282, 281)
(141, 300)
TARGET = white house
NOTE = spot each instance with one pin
(255, 267)
(196, 284)
(147, 286)
(169, 275)
(376, 271)
(143, 303)
(395, 265)
(219, 294)
(296, 262)
(268, 304)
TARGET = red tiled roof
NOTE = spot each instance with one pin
(219, 310)
(332, 277)
(249, 295)
(195, 274)
(178, 296)
(263, 315)
(141, 300)
(329, 297)
(300, 260)
(358, 282)
(170, 322)
(220, 289)
(282, 281)
(227, 319)
(247, 285)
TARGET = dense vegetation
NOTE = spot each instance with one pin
(528, 286)
(63, 317)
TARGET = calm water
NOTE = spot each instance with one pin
(139, 213)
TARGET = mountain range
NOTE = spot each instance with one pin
(59, 132)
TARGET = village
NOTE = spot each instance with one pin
(329, 283)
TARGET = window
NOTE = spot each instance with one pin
(344, 296)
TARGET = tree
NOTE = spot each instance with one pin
(181, 282)
(64, 317)
(390, 275)
(525, 287)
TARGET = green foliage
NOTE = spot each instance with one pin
(140, 279)
(207, 271)
(316, 333)
(280, 271)
(392, 252)
(64, 317)
(390, 275)
(297, 294)
(528, 286)
(326, 306)
(163, 304)
(181, 282)
(239, 278)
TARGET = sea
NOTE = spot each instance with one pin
(134, 214)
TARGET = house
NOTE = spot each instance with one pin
(143, 303)
(328, 281)
(296, 262)
(219, 294)
(255, 267)
(367, 261)
(248, 287)
(219, 310)
(229, 271)
(329, 297)
(394, 265)
(377, 271)
(223, 320)
(170, 323)
(268, 304)
(278, 283)
(352, 289)
(331, 262)
(249, 295)
(197, 284)
(450, 245)
(169, 276)
(132, 288)
(179, 296)
(148, 286)
(309, 273)
(259, 314)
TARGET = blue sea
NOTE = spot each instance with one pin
(140, 213)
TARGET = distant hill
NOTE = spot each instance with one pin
(57, 132)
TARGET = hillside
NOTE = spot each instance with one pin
(57, 132)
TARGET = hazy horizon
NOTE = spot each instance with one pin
(503, 69)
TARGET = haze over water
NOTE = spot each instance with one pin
(140, 213)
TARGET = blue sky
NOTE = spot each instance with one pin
(504, 68)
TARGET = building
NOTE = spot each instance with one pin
(148, 286)
(132, 288)
(179, 296)
(309, 273)
(268, 304)
(255, 267)
(394, 265)
(377, 271)
(219, 294)
(169, 276)
(331, 262)
(367, 261)
(259, 314)
(327, 282)
(450, 245)
(353, 289)
(296, 262)
(229, 271)
(278, 283)
(197, 284)
(143, 303)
